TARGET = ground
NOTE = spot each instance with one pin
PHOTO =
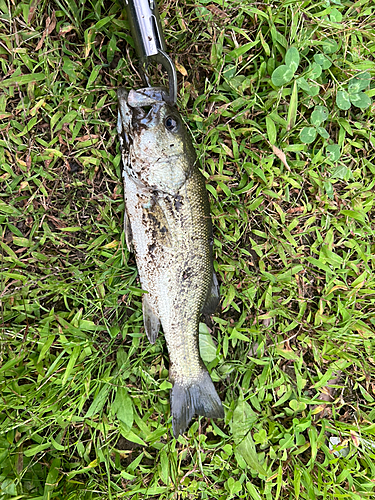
(278, 99)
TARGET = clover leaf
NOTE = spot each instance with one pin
(308, 135)
(359, 82)
(283, 74)
(329, 46)
(360, 100)
(319, 115)
(333, 151)
(292, 59)
(323, 61)
(355, 95)
(322, 132)
(342, 100)
(310, 88)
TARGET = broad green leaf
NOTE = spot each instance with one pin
(239, 51)
(47, 344)
(287, 353)
(319, 115)
(297, 405)
(322, 132)
(164, 467)
(292, 110)
(69, 68)
(253, 490)
(345, 125)
(359, 82)
(323, 61)
(265, 45)
(68, 118)
(261, 436)
(93, 76)
(314, 90)
(56, 445)
(52, 478)
(130, 435)
(29, 125)
(103, 22)
(308, 135)
(99, 401)
(353, 88)
(271, 130)
(292, 59)
(123, 407)
(246, 448)
(302, 83)
(335, 16)
(37, 448)
(315, 71)
(329, 46)
(355, 214)
(111, 48)
(22, 79)
(229, 71)
(21, 242)
(243, 419)
(233, 486)
(72, 361)
(342, 100)
(360, 100)
(282, 75)
(207, 347)
(9, 209)
(333, 151)
(166, 385)
(341, 172)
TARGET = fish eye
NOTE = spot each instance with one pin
(171, 123)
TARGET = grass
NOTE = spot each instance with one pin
(84, 396)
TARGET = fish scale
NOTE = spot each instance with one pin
(168, 226)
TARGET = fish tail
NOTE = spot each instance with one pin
(194, 397)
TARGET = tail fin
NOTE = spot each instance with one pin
(190, 398)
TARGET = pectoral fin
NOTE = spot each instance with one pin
(128, 232)
(150, 320)
(213, 296)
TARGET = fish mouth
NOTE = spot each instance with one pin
(138, 107)
(131, 117)
(135, 99)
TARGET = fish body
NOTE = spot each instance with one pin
(168, 226)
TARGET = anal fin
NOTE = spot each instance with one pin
(213, 296)
(150, 320)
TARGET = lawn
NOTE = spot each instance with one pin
(278, 97)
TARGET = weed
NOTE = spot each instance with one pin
(84, 396)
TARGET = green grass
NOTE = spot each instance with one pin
(84, 396)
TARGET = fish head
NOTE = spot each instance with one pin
(156, 147)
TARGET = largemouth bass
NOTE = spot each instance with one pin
(168, 226)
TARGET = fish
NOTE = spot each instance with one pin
(168, 226)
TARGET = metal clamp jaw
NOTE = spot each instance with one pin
(145, 26)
